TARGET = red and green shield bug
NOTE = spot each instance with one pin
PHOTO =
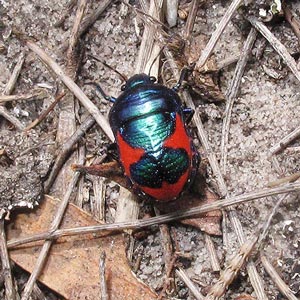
(156, 152)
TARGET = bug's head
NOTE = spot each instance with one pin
(138, 79)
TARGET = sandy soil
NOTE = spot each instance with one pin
(265, 111)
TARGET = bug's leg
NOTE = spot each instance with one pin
(100, 90)
(112, 151)
(185, 72)
(188, 114)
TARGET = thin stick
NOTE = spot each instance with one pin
(90, 20)
(44, 114)
(85, 101)
(75, 34)
(217, 33)
(98, 205)
(166, 242)
(279, 146)
(277, 45)
(25, 97)
(10, 291)
(103, 285)
(7, 91)
(210, 246)
(47, 244)
(293, 21)
(168, 274)
(284, 289)
(191, 19)
(66, 149)
(232, 93)
(14, 77)
(180, 214)
(189, 283)
(13, 120)
(269, 220)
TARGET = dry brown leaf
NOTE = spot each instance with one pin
(209, 222)
(73, 262)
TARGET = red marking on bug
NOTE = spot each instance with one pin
(179, 138)
(167, 191)
(128, 155)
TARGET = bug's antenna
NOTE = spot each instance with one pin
(101, 91)
(122, 76)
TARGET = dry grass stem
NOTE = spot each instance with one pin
(91, 19)
(184, 277)
(103, 284)
(75, 34)
(44, 114)
(43, 256)
(171, 9)
(189, 25)
(284, 289)
(85, 101)
(281, 145)
(66, 149)
(98, 205)
(277, 45)
(166, 242)
(267, 224)
(217, 33)
(10, 292)
(293, 20)
(9, 117)
(25, 97)
(210, 246)
(149, 49)
(8, 90)
(180, 214)
(232, 92)
(15, 74)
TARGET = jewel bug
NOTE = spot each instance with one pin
(155, 149)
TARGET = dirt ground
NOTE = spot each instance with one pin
(265, 111)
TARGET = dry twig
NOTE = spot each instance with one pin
(94, 111)
(293, 21)
(13, 120)
(183, 276)
(10, 291)
(47, 244)
(25, 97)
(44, 114)
(167, 246)
(232, 93)
(8, 90)
(277, 45)
(91, 19)
(15, 75)
(217, 33)
(210, 246)
(103, 285)
(285, 290)
(279, 146)
(66, 149)
(180, 214)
